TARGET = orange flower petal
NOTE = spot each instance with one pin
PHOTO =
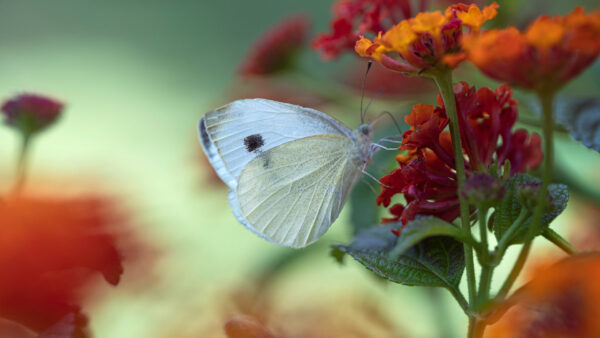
(453, 60)
(365, 48)
(491, 45)
(545, 33)
(420, 114)
(475, 18)
(428, 23)
(399, 37)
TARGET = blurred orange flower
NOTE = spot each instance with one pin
(547, 55)
(427, 40)
(560, 301)
(51, 249)
(346, 317)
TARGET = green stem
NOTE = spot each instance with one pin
(460, 299)
(482, 213)
(507, 236)
(559, 241)
(471, 329)
(477, 329)
(487, 269)
(22, 163)
(546, 100)
(443, 79)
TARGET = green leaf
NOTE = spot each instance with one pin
(581, 117)
(510, 207)
(423, 227)
(435, 261)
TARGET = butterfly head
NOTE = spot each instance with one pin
(365, 130)
(363, 136)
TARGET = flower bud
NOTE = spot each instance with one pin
(30, 113)
(482, 189)
(528, 194)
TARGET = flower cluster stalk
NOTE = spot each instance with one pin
(559, 241)
(443, 79)
(22, 160)
(546, 100)
(486, 265)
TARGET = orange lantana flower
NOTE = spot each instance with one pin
(548, 54)
(427, 40)
(560, 301)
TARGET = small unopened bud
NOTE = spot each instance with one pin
(482, 189)
(528, 194)
(30, 113)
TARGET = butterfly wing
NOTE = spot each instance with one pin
(236, 133)
(292, 193)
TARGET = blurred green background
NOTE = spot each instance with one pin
(136, 76)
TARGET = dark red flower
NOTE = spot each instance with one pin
(51, 249)
(31, 113)
(354, 18)
(426, 176)
(275, 50)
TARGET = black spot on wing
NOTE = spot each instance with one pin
(254, 142)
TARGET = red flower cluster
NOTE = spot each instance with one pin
(51, 249)
(427, 177)
(354, 18)
(275, 49)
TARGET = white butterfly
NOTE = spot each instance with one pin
(289, 168)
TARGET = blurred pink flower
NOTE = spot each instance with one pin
(274, 51)
(31, 113)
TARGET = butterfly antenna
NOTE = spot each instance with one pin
(393, 120)
(362, 97)
(374, 179)
(379, 92)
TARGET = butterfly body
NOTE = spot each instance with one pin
(289, 168)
